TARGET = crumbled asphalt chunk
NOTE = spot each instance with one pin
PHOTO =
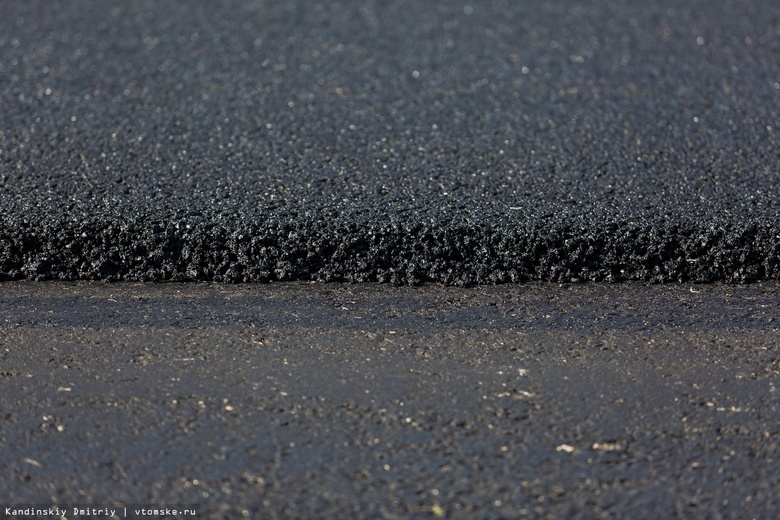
(393, 142)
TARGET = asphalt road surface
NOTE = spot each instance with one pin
(451, 143)
(462, 142)
(303, 400)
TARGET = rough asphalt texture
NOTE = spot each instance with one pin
(461, 142)
(366, 401)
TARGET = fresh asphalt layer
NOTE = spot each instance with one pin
(309, 400)
(461, 142)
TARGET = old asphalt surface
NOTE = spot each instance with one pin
(300, 400)
(430, 146)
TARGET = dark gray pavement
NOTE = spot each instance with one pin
(466, 143)
(365, 401)
(462, 142)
